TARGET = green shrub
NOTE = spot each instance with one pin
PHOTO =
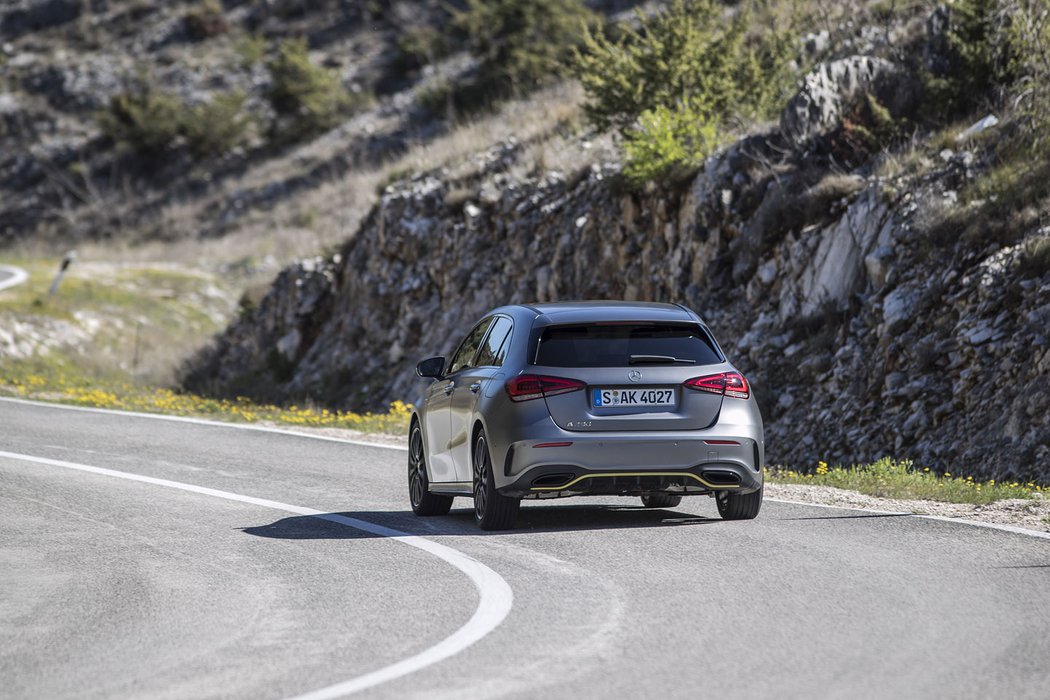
(523, 43)
(672, 85)
(250, 49)
(1035, 258)
(206, 21)
(688, 51)
(669, 143)
(981, 58)
(867, 128)
(419, 46)
(437, 98)
(215, 127)
(312, 97)
(145, 120)
(150, 122)
(1030, 36)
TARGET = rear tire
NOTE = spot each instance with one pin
(492, 510)
(661, 500)
(423, 502)
(737, 506)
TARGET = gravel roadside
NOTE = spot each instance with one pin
(1031, 514)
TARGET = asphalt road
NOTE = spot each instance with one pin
(11, 276)
(120, 588)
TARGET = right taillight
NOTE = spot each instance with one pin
(527, 387)
(730, 384)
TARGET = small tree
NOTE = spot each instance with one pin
(981, 57)
(671, 84)
(669, 143)
(149, 122)
(145, 120)
(218, 126)
(691, 51)
(523, 43)
(206, 21)
(312, 96)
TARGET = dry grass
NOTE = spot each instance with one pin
(321, 218)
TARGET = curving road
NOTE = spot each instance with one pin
(11, 276)
(142, 557)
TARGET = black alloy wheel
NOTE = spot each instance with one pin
(492, 510)
(423, 502)
(737, 506)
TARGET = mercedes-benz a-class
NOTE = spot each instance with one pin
(585, 398)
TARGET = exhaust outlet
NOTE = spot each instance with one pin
(549, 480)
(719, 477)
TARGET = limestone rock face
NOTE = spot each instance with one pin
(860, 341)
(827, 90)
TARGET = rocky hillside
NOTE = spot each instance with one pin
(202, 150)
(870, 321)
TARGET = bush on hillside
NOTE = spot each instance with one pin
(206, 21)
(150, 122)
(420, 46)
(523, 43)
(672, 84)
(689, 51)
(1030, 35)
(218, 126)
(1005, 69)
(144, 120)
(668, 143)
(310, 97)
(980, 57)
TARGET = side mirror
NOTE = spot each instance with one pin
(431, 367)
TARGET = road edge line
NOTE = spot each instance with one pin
(263, 429)
(200, 421)
(495, 597)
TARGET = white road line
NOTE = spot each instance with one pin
(16, 276)
(201, 421)
(495, 596)
(977, 523)
(259, 428)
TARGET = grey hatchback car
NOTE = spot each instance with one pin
(585, 398)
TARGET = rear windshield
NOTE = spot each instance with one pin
(624, 345)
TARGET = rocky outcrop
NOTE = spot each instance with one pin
(863, 334)
(830, 89)
(859, 339)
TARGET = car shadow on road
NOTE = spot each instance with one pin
(460, 522)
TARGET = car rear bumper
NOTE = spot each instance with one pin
(577, 464)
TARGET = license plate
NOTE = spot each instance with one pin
(632, 397)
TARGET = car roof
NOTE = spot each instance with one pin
(568, 312)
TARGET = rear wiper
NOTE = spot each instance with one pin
(658, 359)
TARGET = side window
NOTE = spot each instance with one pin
(469, 347)
(494, 349)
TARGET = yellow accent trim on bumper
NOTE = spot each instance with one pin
(615, 474)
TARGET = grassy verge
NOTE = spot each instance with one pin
(114, 334)
(900, 479)
(62, 384)
(138, 321)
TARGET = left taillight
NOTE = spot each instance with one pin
(731, 384)
(527, 387)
